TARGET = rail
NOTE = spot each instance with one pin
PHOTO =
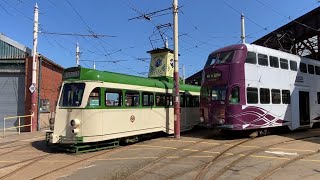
(19, 123)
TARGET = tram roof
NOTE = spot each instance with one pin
(80, 73)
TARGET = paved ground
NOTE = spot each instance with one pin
(200, 154)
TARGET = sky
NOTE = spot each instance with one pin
(123, 40)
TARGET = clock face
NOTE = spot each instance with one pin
(158, 62)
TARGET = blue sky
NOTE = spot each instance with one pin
(204, 26)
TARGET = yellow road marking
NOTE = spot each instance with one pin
(201, 156)
(127, 158)
(310, 160)
(179, 140)
(169, 157)
(194, 150)
(267, 157)
(172, 157)
(211, 143)
(167, 147)
(161, 147)
(303, 150)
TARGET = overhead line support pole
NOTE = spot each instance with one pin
(176, 72)
(243, 32)
(33, 88)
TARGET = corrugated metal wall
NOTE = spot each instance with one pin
(8, 51)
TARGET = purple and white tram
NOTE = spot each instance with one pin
(247, 86)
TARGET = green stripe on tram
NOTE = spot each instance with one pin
(80, 73)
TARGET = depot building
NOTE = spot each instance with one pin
(16, 89)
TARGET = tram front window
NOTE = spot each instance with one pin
(220, 58)
(218, 94)
(71, 94)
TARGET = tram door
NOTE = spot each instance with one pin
(304, 108)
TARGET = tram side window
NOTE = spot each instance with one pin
(310, 69)
(132, 98)
(303, 67)
(234, 95)
(285, 97)
(160, 99)
(94, 98)
(113, 98)
(169, 100)
(262, 59)
(147, 99)
(284, 64)
(252, 95)
(264, 96)
(293, 66)
(182, 100)
(192, 101)
(318, 97)
(189, 101)
(251, 58)
(196, 102)
(274, 62)
(275, 95)
(317, 69)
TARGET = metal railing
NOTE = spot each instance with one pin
(19, 123)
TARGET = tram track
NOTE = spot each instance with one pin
(204, 170)
(80, 161)
(269, 172)
(251, 152)
(136, 175)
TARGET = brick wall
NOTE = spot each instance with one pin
(50, 86)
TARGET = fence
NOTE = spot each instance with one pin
(19, 123)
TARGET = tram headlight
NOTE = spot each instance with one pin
(75, 122)
(221, 121)
(75, 131)
(201, 119)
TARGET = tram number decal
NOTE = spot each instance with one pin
(132, 118)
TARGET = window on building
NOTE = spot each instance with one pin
(251, 58)
(234, 97)
(310, 69)
(94, 98)
(44, 105)
(262, 59)
(147, 99)
(275, 96)
(160, 99)
(317, 70)
(132, 98)
(318, 97)
(264, 96)
(286, 97)
(274, 62)
(293, 66)
(303, 67)
(252, 95)
(284, 64)
(113, 97)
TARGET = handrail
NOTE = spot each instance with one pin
(14, 117)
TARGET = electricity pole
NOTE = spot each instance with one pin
(77, 54)
(176, 72)
(34, 68)
(243, 33)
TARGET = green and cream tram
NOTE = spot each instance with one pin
(97, 106)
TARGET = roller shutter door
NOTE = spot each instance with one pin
(12, 96)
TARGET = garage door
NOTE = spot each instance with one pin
(12, 96)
